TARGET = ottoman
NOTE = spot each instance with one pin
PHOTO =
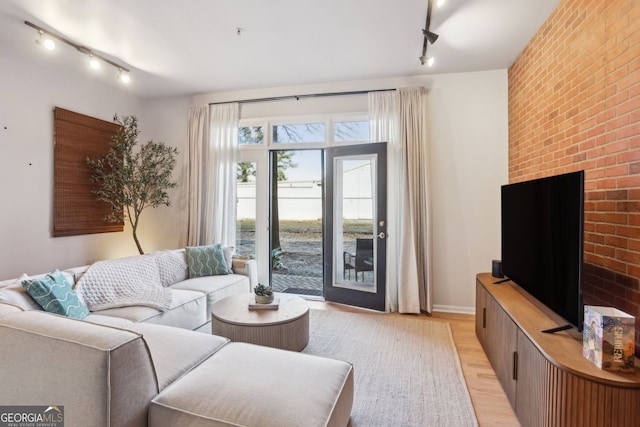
(250, 385)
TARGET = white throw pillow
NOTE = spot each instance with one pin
(228, 256)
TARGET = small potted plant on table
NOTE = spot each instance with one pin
(264, 294)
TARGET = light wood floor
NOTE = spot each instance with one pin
(489, 401)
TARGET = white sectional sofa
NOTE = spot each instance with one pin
(191, 298)
(143, 366)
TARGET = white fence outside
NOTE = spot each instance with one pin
(302, 200)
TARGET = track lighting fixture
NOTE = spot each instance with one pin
(93, 62)
(429, 37)
(45, 39)
(427, 60)
(123, 76)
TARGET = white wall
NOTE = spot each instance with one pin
(31, 86)
(469, 129)
(469, 163)
(165, 120)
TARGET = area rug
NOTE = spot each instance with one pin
(406, 369)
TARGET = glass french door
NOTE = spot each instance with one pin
(295, 221)
(355, 225)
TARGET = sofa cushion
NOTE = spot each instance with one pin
(54, 294)
(216, 287)
(206, 261)
(188, 310)
(116, 322)
(12, 292)
(103, 376)
(9, 309)
(76, 273)
(176, 351)
(250, 385)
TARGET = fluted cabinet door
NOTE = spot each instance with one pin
(501, 336)
(532, 384)
(481, 314)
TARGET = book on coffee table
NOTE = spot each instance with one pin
(271, 306)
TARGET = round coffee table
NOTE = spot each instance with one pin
(286, 327)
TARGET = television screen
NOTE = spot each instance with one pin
(542, 241)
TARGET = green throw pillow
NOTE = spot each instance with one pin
(54, 294)
(206, 261)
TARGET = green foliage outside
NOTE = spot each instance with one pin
(255, 135)
(131, 178)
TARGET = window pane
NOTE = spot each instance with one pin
(246, 209)
(351, 131)
(354, 238)
(250, 135)
(304, 132)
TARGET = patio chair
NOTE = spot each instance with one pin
(364, 256)
(348, 263)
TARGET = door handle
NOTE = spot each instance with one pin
(381, 235)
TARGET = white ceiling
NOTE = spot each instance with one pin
(190, 47)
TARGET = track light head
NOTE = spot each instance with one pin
(94, 62)
(124, 76)
(45, 41)
(432, 37)
(427, 60)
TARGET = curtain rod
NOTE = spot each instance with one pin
(299, 97)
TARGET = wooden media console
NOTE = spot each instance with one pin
(545, 376)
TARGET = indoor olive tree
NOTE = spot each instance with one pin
(131, 178)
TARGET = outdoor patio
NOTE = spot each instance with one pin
(301, 256)
(303, 285)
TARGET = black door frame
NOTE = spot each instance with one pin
(371, 300)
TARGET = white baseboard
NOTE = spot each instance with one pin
(454, 309)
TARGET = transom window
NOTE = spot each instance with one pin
(250, 135)
(328, 131)
(298, 133)
(351, 131)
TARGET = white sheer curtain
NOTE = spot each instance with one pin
(198, 139)
(401, 119)
(213, 143)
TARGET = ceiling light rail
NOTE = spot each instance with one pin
(123, 72)
(299, 97)
(429, 37)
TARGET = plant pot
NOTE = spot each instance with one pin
(264, 299)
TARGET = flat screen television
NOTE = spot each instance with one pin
(542, 241)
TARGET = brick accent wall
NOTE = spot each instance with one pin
(574, 103)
